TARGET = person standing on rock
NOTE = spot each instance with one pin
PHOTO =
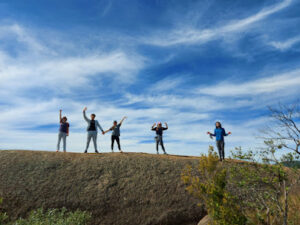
(220, 134)
(115, 136)
(159, 135)
(63, 132)
(92, 130)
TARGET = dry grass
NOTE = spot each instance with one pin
(118, 189)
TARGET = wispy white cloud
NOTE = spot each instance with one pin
(38, 67)
(21, 35)
(279, 84)
(182, 35)
(168, 83)
(285, 45)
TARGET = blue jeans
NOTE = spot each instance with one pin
(159, 141)
(91, 135)
(62, 135)
(221, 145)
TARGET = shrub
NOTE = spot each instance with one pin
(3, 216)
(55, 217)
(209, 183)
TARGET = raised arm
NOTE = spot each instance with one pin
(60, 115)
(84, 115)
(122, 120)
(153, 126)
(166, 128)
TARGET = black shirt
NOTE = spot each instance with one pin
(92, 126)
(159, 130)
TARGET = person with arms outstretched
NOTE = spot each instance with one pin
(159, 135)
(115, 136)
(220, 134)
(63, 132)
(92, 130)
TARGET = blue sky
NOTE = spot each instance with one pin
(189, 63)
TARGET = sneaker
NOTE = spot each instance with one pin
(96, 151)
(121, 151)
(85, 151)
(165, 153)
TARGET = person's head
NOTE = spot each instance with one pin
(218, 125)
(159, 124)
(93, 116)
(64, 119)
(115, 123)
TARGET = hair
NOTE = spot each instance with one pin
(115, 121)
(218, 123)
(64, 118)
(94, 115)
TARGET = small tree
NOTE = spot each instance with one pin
(264, 185)
(285, 129)
(209, 184)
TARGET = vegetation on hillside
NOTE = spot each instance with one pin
(209, 183)
(258, 189)
(49, 217)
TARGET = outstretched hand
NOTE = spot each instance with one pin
(103, 132)
(208, 132)
(229, 133)
(85, 108)
(60, 110)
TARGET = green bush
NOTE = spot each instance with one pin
(3, 216)
(209, 183)
(55, 217)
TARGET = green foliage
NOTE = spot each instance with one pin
(209, 183)
(3, 216)
(55, 217)
(264, 184)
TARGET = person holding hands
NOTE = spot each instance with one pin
(115, 136)
(92, 130)
(63, 132)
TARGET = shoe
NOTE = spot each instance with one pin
(121, 151)
(96, 151)
(57, 150)
(85, 151)
(157, 153)
(165, 153)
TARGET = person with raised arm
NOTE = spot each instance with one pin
(92, 130)
(115, 136)
(63, 132)
(220, 133)
(159, 135)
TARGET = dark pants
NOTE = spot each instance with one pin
(220, 146)
(113, 138)
(159, 141)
